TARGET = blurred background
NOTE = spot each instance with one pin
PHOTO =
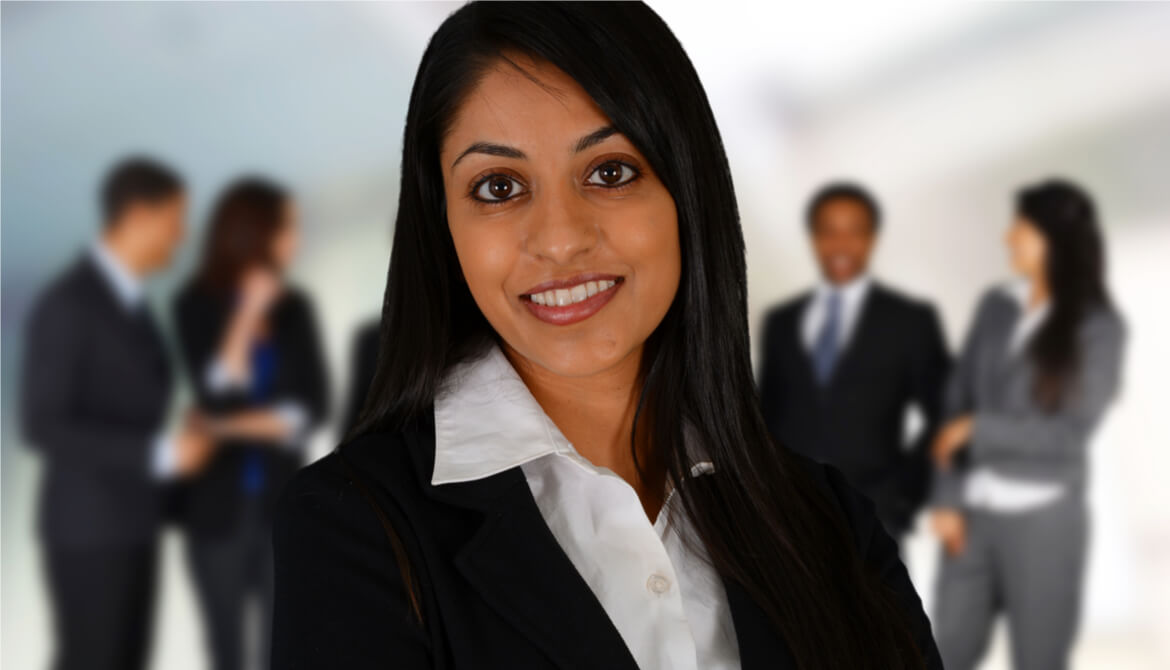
(942, 109)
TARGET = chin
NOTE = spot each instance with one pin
(576, 357)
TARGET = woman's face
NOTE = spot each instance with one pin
(566, 238)
(287, 239)
(1027, 248)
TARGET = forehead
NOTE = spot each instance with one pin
(525, 103)
(844, 205)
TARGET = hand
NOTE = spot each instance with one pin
(263, 425)
(194, 445)
(260, 288)
(950, 439)
(951, 528)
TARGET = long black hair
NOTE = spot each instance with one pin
(1074, 269)
(764, 523)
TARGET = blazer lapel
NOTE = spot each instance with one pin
(138, 325)
(1004, 359)
(859, 338)
(803, 355)
(516, 565)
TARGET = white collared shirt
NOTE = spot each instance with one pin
(853, 294)
(128, 288)
(125, 284)
(984, 488)
(668, 604)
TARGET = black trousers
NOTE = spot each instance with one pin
(103, 605)
(230, 572)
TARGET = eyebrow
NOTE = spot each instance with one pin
(505, 151)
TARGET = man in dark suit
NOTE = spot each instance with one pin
(844, 362)
(95, 394)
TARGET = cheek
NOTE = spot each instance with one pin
(1028, 250)
(487, 254)
(648, 240)
(1035, 250)
(831, 245)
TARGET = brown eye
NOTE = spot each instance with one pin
(497, 188)
(500, 188)
(612, 173)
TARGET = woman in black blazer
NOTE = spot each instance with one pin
(251, 348)
(562, 462)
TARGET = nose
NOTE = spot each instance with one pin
(562, 227)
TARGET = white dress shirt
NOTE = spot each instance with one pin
(984, 488)
(128, 288)
(667, 603)
(853, 294)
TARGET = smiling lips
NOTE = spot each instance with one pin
(569, 301)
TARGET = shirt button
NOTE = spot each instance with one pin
(657, 584)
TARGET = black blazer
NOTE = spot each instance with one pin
(896, 357)
(96, 387)
(496, 589)
(210, 502)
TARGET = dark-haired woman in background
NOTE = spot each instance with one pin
(251, 347)
(563, 462)
(1040, 364)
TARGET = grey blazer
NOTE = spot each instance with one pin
(1012, 434)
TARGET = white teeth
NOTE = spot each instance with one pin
(567, 296)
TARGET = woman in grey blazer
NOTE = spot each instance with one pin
(1038, 368)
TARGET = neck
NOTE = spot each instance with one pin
(1039, 292)
(596, 414)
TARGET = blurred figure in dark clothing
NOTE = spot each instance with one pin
(251, 347)
(363, 360)
(1040, 365)
(95, 393)
(843, 363)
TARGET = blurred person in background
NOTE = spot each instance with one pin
(1040, 364)
(96, 387)
(251, 347)
(363, 362)
(845, 361)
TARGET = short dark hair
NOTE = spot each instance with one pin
(136, 179)
(844, 190)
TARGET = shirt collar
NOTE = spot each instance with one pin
(487, 421)
(852, 292)
(126, 285)
(1020, 291)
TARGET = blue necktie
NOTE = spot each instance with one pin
(825, 349)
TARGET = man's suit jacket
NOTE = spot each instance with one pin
(95, 392)
(209, 503)
(895, 357)
(495, 587)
